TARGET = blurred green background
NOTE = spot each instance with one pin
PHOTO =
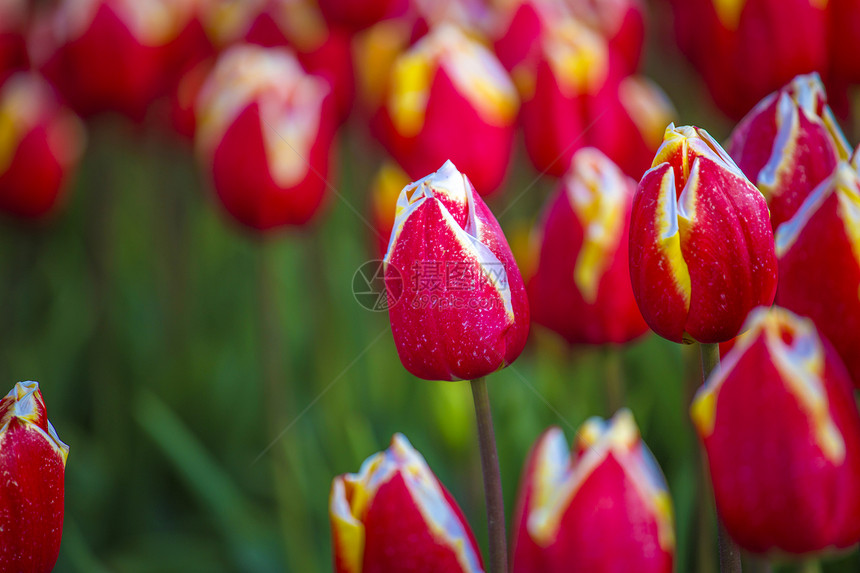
(211, 384)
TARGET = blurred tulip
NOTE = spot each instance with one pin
(627, 120)
(573, 66)
(116, 55)
(264, 133)
(33, 466)
(449, 98)
(621, 22)
(604, 509)
(581, 288)
(385, 189)
(746, 49)
(296, 24)
(460, 309)
(701, 246)
(13, 44)
(788, 144)
(819, 262)
(395, 516)
(40, 144)
(782, 434)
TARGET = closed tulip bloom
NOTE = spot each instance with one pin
(819, 262)
(748, 48)
(782, 434)
(395, 516)
(264, 133)
(581, 288)
(40, 144)
(605, 508)
(448, 97)
(701, 246)
(33, 466)
(788, 144)
(114, 55)
(461, 310)
(573, 66)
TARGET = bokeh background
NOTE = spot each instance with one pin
(211, 383)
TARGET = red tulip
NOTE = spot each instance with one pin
(40, 144)
(627, 120)
(264, 133)
(782, 434)
(701, 247)
(573, 66)
(604, 509)
(115, 55)
(395, 516)
(517, 30)
(581, 288)
(749, 48)
(460, 309)
(33, 466)
(819, 262)
(788, 144)
(449, 98)
(296, 24)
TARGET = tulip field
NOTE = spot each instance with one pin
(405, 286)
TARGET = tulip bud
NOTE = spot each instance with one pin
(33, 466)
(788, 144)
(387, 185)
(264, 134)
(782, 434)
(746, 49)
(701, 246)
(819, 262)
(604, 509)
(581, 288)
(460, 309)
(113, 55)
(449, 97)
(40, 144)
(573, 65)
(627, 121)
(395, 516)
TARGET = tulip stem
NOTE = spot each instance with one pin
(492, 477)
(730, 554)
(614, 379)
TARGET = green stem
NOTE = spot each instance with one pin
(730, 555)
(810, 566)
(614, 379)
(278, 405)
(492, 477)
